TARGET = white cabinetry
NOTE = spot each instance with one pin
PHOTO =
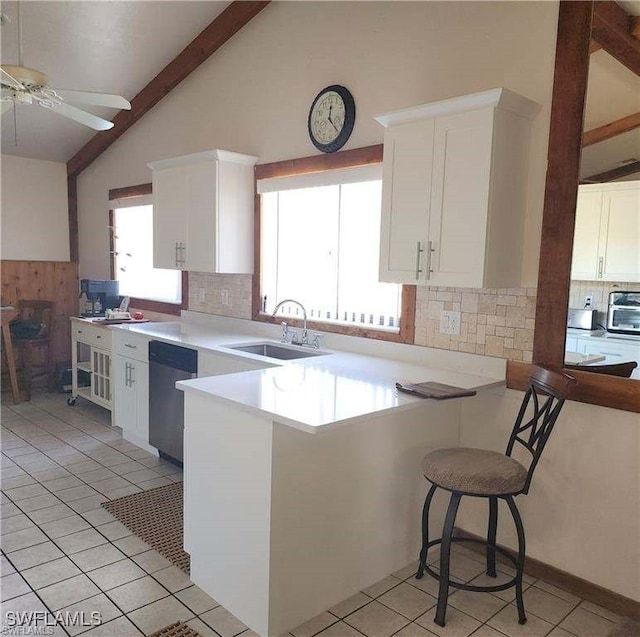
(131, 386)
(454, 191)
(614, 349)
(91, 353)
(606, 243)
(203, 210)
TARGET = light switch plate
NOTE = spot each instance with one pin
(224, 296)
(450, 322)
(201, 295)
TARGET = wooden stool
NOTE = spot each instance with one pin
(488, 474)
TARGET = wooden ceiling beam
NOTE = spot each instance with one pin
(593, 47)
(615, 173)
(611, 29)
(225, 26)
(624, 125)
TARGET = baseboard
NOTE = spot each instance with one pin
(582, 588)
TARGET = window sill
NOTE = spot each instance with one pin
(335, 327)
(157, 306)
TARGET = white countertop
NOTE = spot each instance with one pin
(602, 334)
(310, 394)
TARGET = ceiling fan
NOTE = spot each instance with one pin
(22, 85)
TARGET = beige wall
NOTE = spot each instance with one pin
(582, 514)
(253, 95)
(35, 216)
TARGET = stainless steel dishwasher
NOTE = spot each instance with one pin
(168, 364)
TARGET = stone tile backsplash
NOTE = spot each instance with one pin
(222, 294)
(495, 322)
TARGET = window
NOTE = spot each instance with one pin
(132, 256)
(320, 236)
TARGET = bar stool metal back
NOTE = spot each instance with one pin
(492, 475)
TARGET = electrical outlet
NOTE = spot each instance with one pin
(201, 295)
(588, 302)
(224, 296)
(450, 322)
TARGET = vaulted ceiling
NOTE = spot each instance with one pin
(118, 46)
(110, 47)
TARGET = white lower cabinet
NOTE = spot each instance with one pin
(132, 399)
(614, 350)
(131, 387)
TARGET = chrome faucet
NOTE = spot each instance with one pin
(305, 333)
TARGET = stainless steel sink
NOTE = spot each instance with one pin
(271, 350)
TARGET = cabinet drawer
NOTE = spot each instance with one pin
(131, 345)
(92, 335)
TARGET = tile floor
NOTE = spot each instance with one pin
(62, 552)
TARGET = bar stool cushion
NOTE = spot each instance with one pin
(474, 471)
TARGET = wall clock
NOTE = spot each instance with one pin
(331, 118)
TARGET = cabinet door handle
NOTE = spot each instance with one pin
(126, 374)
(130, 346)
(182, 256)
(132, 369)
(418, 253)
(177, 257)
(600, 266)
(430, 251)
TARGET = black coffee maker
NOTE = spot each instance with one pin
(106, 293)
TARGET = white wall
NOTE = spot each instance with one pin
(253, 95)
(582, 514)
(35, 216)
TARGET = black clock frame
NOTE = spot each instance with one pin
(349, 119)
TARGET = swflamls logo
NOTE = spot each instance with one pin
(39, 622)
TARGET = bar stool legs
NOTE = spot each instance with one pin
(522, 618)
(425, 531)
(445, 556)
(491, 550)
(491, 537)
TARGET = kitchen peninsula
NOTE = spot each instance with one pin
(302, 479)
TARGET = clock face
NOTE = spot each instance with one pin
(331, 118)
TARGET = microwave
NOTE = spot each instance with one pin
(623, 315)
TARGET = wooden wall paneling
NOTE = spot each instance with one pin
(45, 280)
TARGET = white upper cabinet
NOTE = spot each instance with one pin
(606, 244)
(454, 189)
(203, 210)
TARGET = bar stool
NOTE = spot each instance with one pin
(488, 474)
(35, 350)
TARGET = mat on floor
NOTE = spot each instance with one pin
(626, 628)
(155, 516)
(176, 630)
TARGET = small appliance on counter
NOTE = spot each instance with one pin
(623, 315)
(586, 319)
(102, 295)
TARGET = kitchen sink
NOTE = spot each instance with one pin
(271, 350)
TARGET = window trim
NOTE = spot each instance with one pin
(138, 303)
(313, 164)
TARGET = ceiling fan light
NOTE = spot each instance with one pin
(23, 97)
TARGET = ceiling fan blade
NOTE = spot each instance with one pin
(5, 106)
(95, 99)
(9, 80)
(97, 123)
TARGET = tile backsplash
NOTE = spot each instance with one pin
(222, 294)
(599, 290)
(495, 322)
